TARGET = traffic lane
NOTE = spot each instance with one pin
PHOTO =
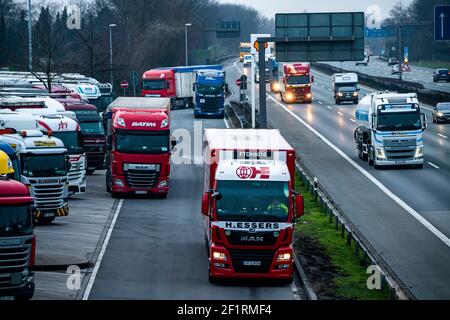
(157, 249)
(71, 240)
(429, 183)
(408, 247)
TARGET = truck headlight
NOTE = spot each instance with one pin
(202, 100)
(289, 96)
(355, 94)
(119, 182)
(219, 256)
(340, 94)
(284, 257)
(277, 87)
(419, 152)
(164, 123)
(440, 114)
(309, 95)
(163, 184)
(381, 154)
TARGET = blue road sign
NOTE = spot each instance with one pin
(442, 23)
(379, 33)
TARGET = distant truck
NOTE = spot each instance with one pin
(295, 81)
(17, 241)
(176, 83)
(249, 204)
(275, 86)
(345, 86)
(244, 49)
(210, 87)
(13, 158)
(93, 134)
(365, 61)
(139, 146)
(390, 131)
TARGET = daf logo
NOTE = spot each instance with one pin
(252, 239)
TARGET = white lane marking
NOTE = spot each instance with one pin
(235, 64)
(90, 284)
(442, 136)
(353, 120)
(329, 107)
(381, 186)
(320, 102)
(226, 123)
(341, 114)
(433, 165)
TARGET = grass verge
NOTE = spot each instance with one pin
(334, 270)
(432, 64)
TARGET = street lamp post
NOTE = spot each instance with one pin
(111, 53)
(186, 41)
(30, 39)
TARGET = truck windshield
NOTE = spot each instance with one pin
(16, 167)
(71, 141)
(399, 121)
(15, 220)
(444, 107)
(253, 201)
(92, 128)
(207, 88)
(154, 84)
(44, 166)
(246, 49)
(294, 80)
(347, 89)
(139, 142)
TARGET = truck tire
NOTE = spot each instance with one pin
(419, 166)
(371, 161)
(287, 281)
(90, 172)
(361, 155)
(115, 195)
(45, 221)
(26, 295)
(376, 167)
(108, 182)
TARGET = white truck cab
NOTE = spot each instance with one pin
(390, 131)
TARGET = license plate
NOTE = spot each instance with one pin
(49, 215)
(252, 263)
(141, 192)
(8, 298)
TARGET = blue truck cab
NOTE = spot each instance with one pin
(6, 148)
(210, 88)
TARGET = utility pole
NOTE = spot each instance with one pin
(111, 53)
(400, 52)
(30, 39)
(186, 41)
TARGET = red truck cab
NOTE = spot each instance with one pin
(296, 83)
(139, 146)
(159, 83)
(93, 133)
(17, 241)
(249, 204)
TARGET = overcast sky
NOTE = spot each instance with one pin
(270, 7)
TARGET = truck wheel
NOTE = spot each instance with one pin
(212, 279)
(287, 281)
(371, 162)
(108, 182)
(26, 295)
(162, 196)
(44, 221)
(90, 172)
(419, 166)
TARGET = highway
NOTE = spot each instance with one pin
(156, 248)
(404, 213)
(380, 68)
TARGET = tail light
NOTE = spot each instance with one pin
(33, 252)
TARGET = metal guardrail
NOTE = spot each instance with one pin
(351, 233)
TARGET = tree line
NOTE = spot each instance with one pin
(149, 33)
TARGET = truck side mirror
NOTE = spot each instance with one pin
(299, 206)
(373, 121)
(312, 78)
(424, 121)
(173, 143)
(109, 142)
(205, 203)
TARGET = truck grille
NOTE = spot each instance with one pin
(48, 197)
(400, 149)
(263, 257)
(211, 104)
(14, 266)
(252, 239)
(141, 179)
(405, 153)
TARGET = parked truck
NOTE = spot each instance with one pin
(210, 87)
(13, 158)
(295, 82)
(139, 146)
(176, 83)
(93, 134)
(345, 86)
(17, 241)
(390, 131)
(44, 165)
(249, 204)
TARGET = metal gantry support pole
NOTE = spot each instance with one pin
(400, 52)
(111, 54)
(30, 38)
(253, 83)
(262, 85)
(186, 42)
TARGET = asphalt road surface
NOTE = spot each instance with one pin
(404, 213)
(157, 248)
(380, 68)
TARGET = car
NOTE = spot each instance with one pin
(247, 60)
(395, 69)
(441, 75)
(392, 61)
(365, 61)
(441, 113)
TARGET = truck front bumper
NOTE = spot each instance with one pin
(96, 161)
(119, 185)
(60, 212)
(219, 114)
(242, 269)
(388, 162)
